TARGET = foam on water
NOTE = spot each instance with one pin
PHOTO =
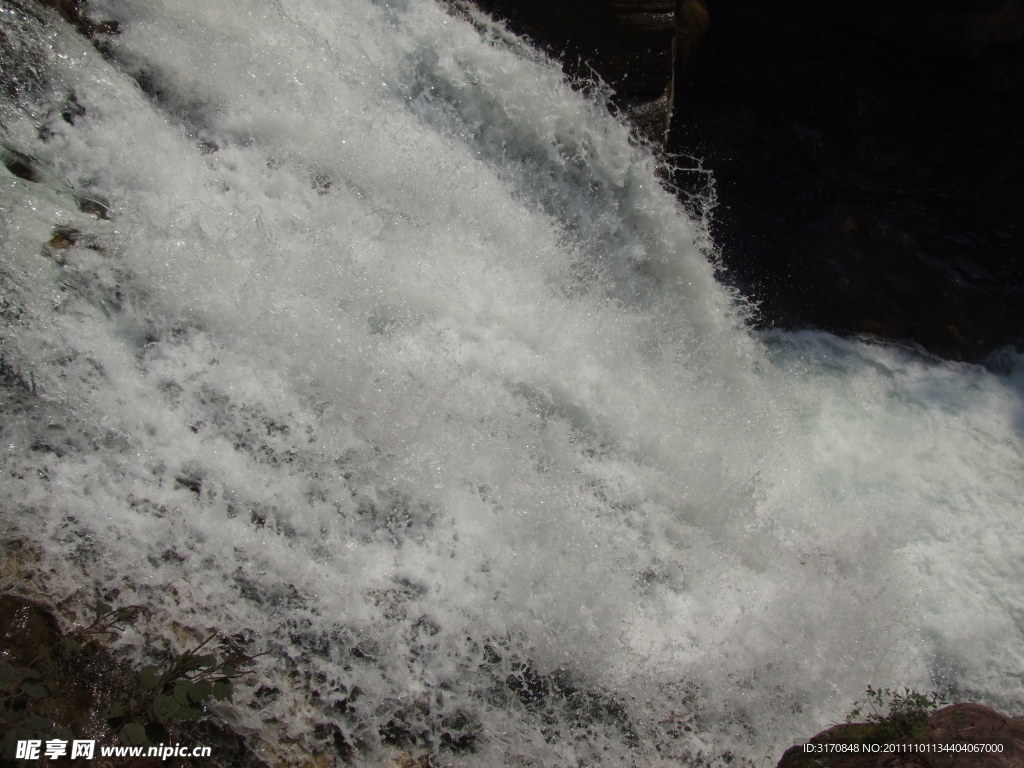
(393, 354)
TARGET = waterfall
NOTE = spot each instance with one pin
(348, 327)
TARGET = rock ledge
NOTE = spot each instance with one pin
(949, 739)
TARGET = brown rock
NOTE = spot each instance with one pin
(968, 725)
(976, 724)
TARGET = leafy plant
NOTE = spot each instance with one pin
(43, 673)
(895, 714)
(178, 691)
(28, 687)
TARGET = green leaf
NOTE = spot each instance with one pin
(222, 690)
(201, 691)
(133, 735)
(166, 708)
(35, 690)
(125, 614)
(228, 670)
(182, 692)
(70, 646)
(102, 608)
(35, 724)
(8, 673)
(148, 677)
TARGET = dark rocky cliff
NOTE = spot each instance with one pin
(867, 156)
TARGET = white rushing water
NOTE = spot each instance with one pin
(392, 355)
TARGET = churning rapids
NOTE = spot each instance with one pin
(348, 326)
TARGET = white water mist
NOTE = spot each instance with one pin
(392, 355)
